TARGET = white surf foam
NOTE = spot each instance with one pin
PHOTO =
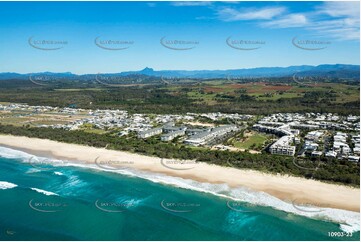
(7, 185)
(131, 201)
(13, 154)
(349, 221)
(58, 173)
(47, 193)
(33, 170)
(35, 161)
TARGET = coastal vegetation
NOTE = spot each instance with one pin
(246, 97)
(336, 171)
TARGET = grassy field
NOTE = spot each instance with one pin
(20, 118)
(255, 97)
(263, 91)
(276, 96)
(254, 139)
(208, 98)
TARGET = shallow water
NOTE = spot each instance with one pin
(77, 203)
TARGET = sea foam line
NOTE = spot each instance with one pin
(27, 158)
(349, 221)
(7, 185)
(47, 193)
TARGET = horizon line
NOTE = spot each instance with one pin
(70, 72)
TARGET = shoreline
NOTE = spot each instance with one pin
(286, 188)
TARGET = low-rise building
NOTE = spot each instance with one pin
(340, 137)
(171, 129)
(331, 154)
(314, 135)
(207, 136)
(304, 126)
(283, 146)
(170, 136)
(341, 147)
(316, 153)
(354, 158)
(150, 132)
(191, 132)
(297, 140)
(310, 146)
(198, 139)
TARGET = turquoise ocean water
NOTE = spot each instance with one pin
(40, 202)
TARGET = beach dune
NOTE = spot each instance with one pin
(287, 188)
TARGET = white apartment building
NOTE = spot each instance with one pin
(170, 136)
(283, 146)
(150, 132)
(207, 136)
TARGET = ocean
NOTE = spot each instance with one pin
(65, 201)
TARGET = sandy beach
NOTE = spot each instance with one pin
(287, 188)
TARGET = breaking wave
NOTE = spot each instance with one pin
(349, 221)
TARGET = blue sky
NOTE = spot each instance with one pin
(263, 34)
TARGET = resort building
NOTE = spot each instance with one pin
(331, 154)
(310, 146)
(171, 135)
(206, 137)
(283, 146)
(150, 132)
(191, 132)
(354, 158)
(316, 153)
(171, 129)
(280, 131)
(314, 135)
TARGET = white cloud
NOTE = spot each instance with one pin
(338, 20)
(288, 21)
(343, 33)
(340, 9)
(345, 22)
(230, 14)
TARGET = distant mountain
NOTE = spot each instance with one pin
(337, 70)
(332, 71)
(13, 75)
